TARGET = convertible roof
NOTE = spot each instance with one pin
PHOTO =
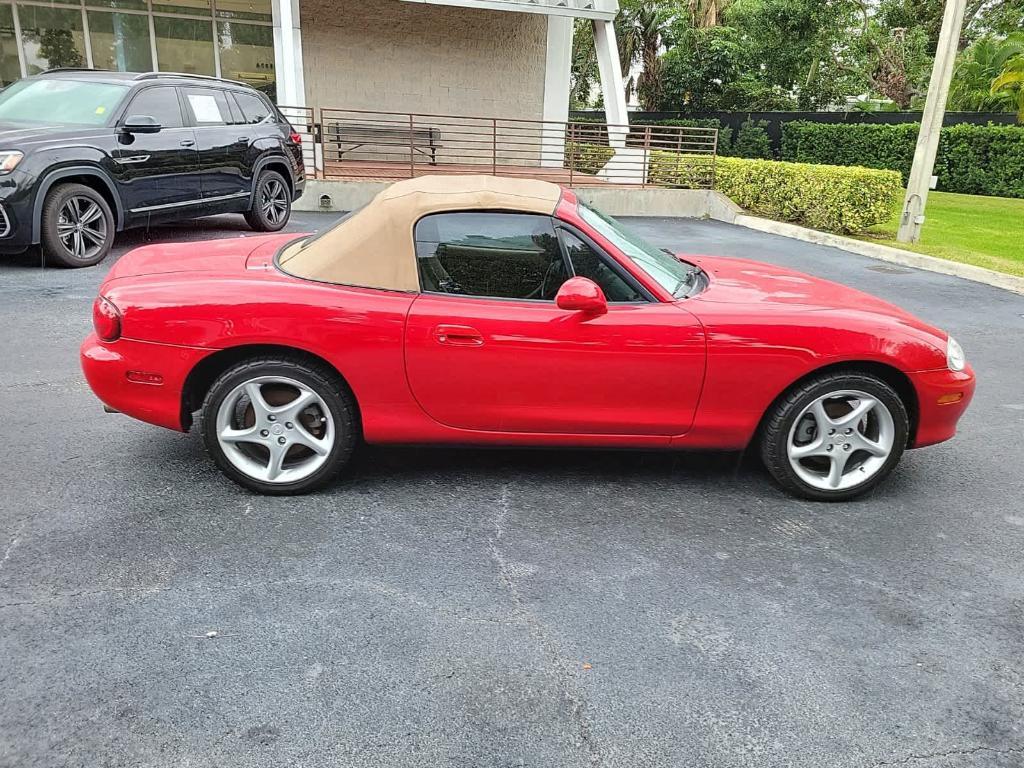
(373, 248)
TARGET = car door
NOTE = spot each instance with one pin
(156, 172)
(222, 144)
(488, 349)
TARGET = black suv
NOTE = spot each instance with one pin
(85, 154)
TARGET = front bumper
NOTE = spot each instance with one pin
(110, 368)
(942, 398)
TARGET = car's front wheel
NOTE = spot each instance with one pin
(77, 227)
(280, 426)
(835, 436)
(272, 203)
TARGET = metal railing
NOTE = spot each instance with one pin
(363, 144)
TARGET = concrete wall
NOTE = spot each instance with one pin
(414, 57)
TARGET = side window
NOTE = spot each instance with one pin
(496, 255)
(586, 262)
(208, 106)
(254, 109)
(159, 103)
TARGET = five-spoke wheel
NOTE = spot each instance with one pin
(835, 436)
(279, 425)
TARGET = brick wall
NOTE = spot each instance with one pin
(413, 57)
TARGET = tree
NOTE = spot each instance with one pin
(639, 28)
(57, 46)
(1011, 82)
(977, 68)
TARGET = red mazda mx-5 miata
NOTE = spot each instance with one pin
(477, 310)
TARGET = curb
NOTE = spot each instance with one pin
(882, 252)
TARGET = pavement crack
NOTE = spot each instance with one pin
(949, 753)
(559, 668)
(15, 539)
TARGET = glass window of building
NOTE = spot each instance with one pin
(256, 10)
(184, 45)
(134, 5)
(247, 54)
(120, 41)
(51, 37)
(190, 7)
(10, 65)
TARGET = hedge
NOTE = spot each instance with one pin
(972, 159)
(834, 198)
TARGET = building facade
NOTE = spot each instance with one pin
(492, 58)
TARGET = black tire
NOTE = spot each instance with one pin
(64, 242)
(781, 419)
(319, 378)
(271, 203)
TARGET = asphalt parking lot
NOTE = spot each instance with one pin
(477, 608)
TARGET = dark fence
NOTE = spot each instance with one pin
(775, 120)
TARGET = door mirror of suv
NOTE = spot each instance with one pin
(581, 295)
(140, 124)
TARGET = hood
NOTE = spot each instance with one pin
(226, 255)
(754, 283)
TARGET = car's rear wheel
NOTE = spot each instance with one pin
(272, 203)
(280, 426)
(77, 227)
(835, 436)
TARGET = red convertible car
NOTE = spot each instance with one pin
(486, 311)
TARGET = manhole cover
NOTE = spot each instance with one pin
(890, 270)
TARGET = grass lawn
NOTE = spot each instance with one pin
(984, 231)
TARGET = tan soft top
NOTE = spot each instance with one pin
(374, 248)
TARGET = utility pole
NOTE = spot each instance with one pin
(931, 123)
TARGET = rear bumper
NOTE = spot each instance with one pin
(107, 367)
(942, 398)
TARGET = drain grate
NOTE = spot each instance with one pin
(890, 270)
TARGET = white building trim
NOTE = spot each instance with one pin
(593, 9)
(558, 63)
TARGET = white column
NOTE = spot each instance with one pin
(612, 87)
(291, 87)
(557, 68)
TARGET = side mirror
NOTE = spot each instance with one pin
(140, 124)
(581, 295)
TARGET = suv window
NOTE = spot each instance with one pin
(586, 262)
(159, 103)
(208, 106)
(60, 101)
(254, 109)
(494, 255)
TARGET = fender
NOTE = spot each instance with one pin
(75, 170)
(262, 163)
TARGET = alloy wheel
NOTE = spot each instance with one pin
(274, 201)
(82, 227)
(840, 440)
(275, 429)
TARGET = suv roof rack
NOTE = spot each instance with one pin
(71, 69)
(158, 75)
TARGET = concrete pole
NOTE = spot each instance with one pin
(931, 123)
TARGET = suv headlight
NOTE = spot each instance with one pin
(955, 358)
(9, 160)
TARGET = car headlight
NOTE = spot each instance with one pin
(955, 358)
(9, 160)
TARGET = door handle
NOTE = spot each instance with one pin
(188, 143)
(458, 336)
(243, 138)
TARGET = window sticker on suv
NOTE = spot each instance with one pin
(205, 108)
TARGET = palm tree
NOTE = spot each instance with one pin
(978, 67)
(639, 27)
(1011, 81)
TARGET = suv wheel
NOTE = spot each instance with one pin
(77, 227)
(272, 203)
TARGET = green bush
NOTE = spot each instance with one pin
(834, 198)
(752, 141)
(972, 159)
(586, 157)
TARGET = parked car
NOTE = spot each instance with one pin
(476, 310)
(85, 154)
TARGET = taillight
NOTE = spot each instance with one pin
(295, 137)
(106, 319)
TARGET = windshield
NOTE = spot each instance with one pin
(60, 101)
(675, 276)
